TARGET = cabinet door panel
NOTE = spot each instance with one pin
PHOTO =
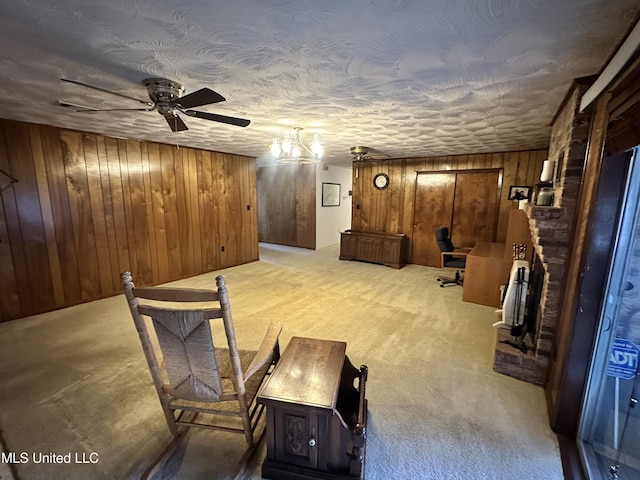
(294, 430)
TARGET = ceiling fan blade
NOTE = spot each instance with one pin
(175, 123)
(77, 106)
(98, 110)
(144, 102)
(240, 122)
(204, 96)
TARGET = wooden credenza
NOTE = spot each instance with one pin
(316, 418)
(391, 249)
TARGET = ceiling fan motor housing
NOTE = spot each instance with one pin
(359, 150)
(164, 93)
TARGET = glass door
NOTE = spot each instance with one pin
(609, 432)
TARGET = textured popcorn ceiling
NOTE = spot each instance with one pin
(408, 78)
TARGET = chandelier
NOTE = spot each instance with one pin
(293, 151)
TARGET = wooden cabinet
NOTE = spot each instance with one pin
(485, 271)
(316, 418)
(391, 249)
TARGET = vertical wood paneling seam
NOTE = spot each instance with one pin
(30, 224)
(149, 210)
(109, 218)
(128, 209)
(10, 304)
(98, 214)
(47, 216)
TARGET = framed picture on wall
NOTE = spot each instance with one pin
(519, 192)
(330, 194)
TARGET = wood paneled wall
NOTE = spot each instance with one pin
(287, 205)
(391, 210)
(88, 207)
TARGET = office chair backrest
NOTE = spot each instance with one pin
(443, 240)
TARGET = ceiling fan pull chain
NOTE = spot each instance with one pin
(175, 120)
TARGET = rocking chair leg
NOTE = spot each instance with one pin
(161, 459)
(169, 450)
(248, 455)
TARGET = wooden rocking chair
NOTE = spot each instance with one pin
(190, 375)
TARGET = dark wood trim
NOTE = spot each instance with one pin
(571, 460)
(587, 276)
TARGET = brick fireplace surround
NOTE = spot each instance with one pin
(551, 234)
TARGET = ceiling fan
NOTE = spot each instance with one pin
(361, 154)
(166, 97)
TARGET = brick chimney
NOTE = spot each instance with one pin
(552, 232)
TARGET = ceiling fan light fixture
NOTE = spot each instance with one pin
(293, 150)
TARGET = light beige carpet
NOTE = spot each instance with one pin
(75, 381)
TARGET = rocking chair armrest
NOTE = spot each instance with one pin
(266, 350)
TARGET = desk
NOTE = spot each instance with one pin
(316, 418)
(485, 271)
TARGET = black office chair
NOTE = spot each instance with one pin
(450, 257)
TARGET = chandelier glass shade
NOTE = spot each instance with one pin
(293, 151)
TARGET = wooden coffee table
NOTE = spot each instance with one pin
(316, 417)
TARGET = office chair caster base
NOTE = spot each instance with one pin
(445, 281)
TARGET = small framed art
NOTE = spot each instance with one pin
(330, 194)
(519, 192)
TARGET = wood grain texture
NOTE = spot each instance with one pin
(287, 205)
(318, 387)
(485, 271)
(475, 207)
(396, 212)
(433, 209)
(88, 207)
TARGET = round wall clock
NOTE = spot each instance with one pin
(381, 181)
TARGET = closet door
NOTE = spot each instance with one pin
(475, 208)
(468, 202)
(435, 193)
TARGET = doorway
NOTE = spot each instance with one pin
(609, 430)
(465, 201)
